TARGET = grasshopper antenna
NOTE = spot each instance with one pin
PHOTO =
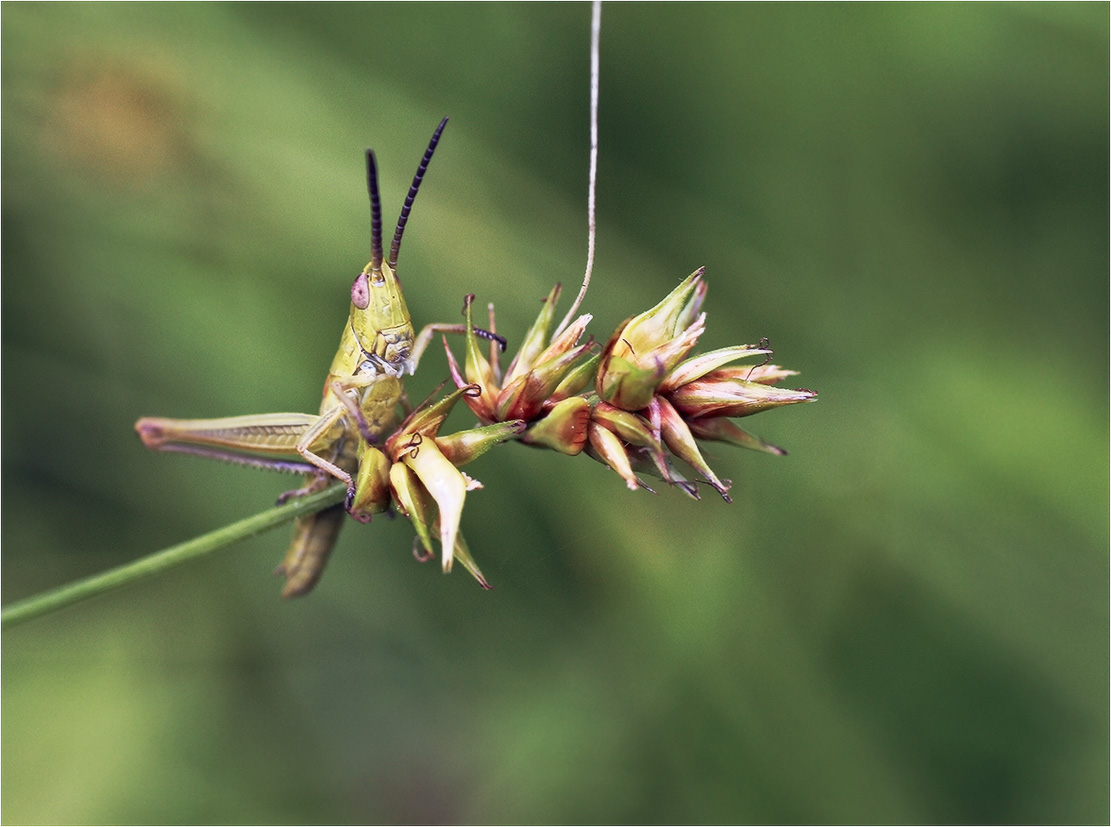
(396, 246)
(375, 213)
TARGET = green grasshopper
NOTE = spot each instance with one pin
(359, 409)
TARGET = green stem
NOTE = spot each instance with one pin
(160, 561)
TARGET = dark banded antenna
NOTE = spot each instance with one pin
(375, 213)
(396, 246)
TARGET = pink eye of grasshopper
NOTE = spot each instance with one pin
(360, 292)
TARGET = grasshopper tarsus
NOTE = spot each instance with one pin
(492, 337)
(292, 494)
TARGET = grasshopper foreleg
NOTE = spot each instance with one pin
(343, 393)
(327, 430)
(424, 338)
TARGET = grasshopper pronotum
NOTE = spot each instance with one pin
(359, 409)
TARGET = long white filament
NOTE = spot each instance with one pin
(592, 226)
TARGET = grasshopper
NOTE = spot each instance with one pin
(359, 410)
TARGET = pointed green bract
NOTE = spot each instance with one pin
(630, 427)
(466, 446)
(463, 555)
(764, 374)
(646, 348)
(698, 366)
(372, 484)
(535, 340)
(668, 318)
(718, 429)
(428, 418)
(612, 453)
(577, 379)
(680, 441)
(414, 502)
(447, 486)
(477, 367)
(734, 397)
(527, 395)
(627, 384)
(563, 429)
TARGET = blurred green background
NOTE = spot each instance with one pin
(906, 620)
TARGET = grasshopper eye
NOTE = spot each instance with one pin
(360, 292)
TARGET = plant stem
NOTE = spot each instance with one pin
(159, 561)
(592, 185)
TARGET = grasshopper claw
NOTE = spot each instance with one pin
(286, 496)
(349, 503)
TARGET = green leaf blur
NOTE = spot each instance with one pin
(905, 620)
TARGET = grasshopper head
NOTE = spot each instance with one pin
(379, 318)
(380, 321)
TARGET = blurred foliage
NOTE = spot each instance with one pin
(906, 620)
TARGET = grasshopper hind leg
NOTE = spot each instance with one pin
(314, 537)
